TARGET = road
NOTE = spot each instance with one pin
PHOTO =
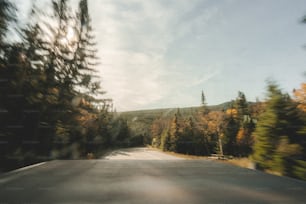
(142, 175)
(139, 154)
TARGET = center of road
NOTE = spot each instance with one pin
(139, 154)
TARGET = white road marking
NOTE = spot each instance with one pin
(14, 174)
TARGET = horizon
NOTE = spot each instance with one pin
(183, 107)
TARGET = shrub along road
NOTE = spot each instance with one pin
(142, 175)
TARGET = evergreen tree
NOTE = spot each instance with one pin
(244, 140)
(9, 87)
(203, 102)
(267, 131)
(7, 16)
(204, 109)
(276, 133)
(39, 96)
(174, 133)
(231, 127)
(241, 106)
(48, 89)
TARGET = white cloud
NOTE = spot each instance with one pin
(133, 79)
(133, 38)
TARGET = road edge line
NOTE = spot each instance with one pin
(11, 175)
(26, 167)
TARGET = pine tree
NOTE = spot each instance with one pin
(39, 96)
(241, 106)
(231, 127)
(7, 16)
(8, 90)
(267, 131)
(66, 67)
(174, 133)
(276, 133)
(48, 86)
(244, 140)
(204, 109)
(203, 102)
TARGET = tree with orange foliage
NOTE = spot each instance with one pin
(232, 112)
(214, 130)
(244, 138)
(300, 97)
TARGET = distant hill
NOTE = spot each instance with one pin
(140, 121)
(165, 112)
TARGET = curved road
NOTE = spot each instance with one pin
(141, 175)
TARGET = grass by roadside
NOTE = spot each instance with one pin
(243, 162)
(184, 156)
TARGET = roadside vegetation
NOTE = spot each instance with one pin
(51, 103)
(269, 134)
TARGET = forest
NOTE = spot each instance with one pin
(52, 105)
(272, 133)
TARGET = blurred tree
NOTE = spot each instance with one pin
(300, 99)
(256, 109)
(50, 98)
(300, 96)
(277, 135)
(267, 131)
(7, 16)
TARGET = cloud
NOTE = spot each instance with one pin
(204, 78)
(134, 36)
(133, 79)
(163, 52)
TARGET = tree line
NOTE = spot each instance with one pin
(272, 132)
(208, 132)
(51, 101)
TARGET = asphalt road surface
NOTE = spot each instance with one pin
(146, 176)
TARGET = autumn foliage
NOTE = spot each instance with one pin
(300, 97)
(206, 132)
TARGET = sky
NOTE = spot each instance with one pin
(163, 53)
